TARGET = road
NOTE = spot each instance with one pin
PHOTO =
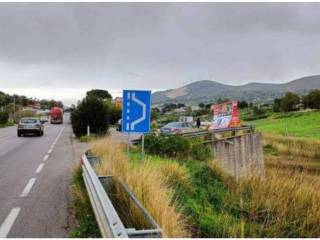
(35, 181)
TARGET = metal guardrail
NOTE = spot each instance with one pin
(200, 133)
(108, 220)
(203, 133)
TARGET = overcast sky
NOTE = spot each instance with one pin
(64, 49)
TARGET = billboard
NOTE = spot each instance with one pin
(225, 115)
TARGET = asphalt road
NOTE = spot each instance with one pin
(35, 181)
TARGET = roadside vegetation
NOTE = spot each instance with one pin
(188, 197)
(97, 111)
(87, 226)
(296, 124)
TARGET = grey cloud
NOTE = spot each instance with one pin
(156, 45)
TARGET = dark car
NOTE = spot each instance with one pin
(176, 127)
(30, 126)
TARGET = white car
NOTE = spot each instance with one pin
(30, 126)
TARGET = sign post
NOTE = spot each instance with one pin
(136, 114)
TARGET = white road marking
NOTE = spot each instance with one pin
(39, 168)
(8, 222)
(50, 151)
(45, 157)
(28, 187)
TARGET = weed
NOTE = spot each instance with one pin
(292, 145)
(146, 182)
(87, 226)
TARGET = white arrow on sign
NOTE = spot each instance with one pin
(144, 111)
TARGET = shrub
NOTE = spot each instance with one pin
(4, 117)
(87, 226)
(312, 100)
(114, 114)
(177, 147)
(199, 151)
(289, 102)
(170, 146)
(86, 138)
(93, 112)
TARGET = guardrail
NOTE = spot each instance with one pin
(107, 217)
(211, 134)
(200, 133)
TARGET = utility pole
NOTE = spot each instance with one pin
(14, 108)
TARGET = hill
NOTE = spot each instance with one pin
(208, 91)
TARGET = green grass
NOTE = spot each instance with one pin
(87, 226)
(211, 208)
(8, 124)
(297, 124)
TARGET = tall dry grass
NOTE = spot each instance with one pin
(147, 182)
(286, 203)
(293, 145)
(283, 203)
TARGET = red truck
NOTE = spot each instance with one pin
(56, 115)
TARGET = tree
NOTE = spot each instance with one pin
(289, 102)
(208, 106)
(92, 112)
(114, 113)
(4, 117)
(312, 100)
(277, 105)
(99, 93)
(243, 104)
(155, 113)
(222, 100)
(201, 105)
(258, 111)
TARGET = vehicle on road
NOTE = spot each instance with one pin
(119, 125)
(176, 127)
(30, 125)
(43, 119)
(56, 115)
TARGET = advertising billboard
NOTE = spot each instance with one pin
(225, 115)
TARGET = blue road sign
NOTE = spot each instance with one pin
(136, 111)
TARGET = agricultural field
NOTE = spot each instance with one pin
(195, 198)
(297, 124)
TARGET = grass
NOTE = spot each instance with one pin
(295, 124)
(194, 198)
(146, 182)
(294, 146)
(87, 226)
(8, 124)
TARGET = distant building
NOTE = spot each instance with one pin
(195, 108)
(180, 110)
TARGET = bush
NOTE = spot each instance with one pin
(93, 112)
(4, 117)
(86, 138)
(114, 113)
(176, 147)
(200, 151)
(289, 102)
(170, 146)
(312, 100)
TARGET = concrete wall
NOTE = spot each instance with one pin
(240, 155)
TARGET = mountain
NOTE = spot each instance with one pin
(208, 91)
